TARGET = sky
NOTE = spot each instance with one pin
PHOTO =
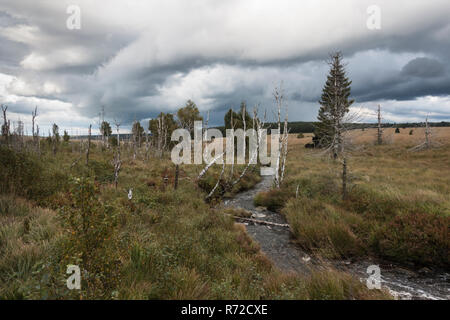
(138, 58)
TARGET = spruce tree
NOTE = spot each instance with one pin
(334, 103)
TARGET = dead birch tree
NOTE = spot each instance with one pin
(258, 125)
(379, 128)
(88, 145)
(6, 124)
(428, 142)
(147, 145)
(162, 135)
(117, 163)
(38, 139)
(55, 138)
(280, 164)
(33, 119)
(232, 139)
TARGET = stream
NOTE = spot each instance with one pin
(277, 244)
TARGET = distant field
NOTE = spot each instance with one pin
(368, 136)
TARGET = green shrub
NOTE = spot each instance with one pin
(91, 239)
(419, 238)
(380, 205)
(24, 175)
(274, 199)
(321, 227)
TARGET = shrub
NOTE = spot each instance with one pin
(320, 227)
(300, 136)
(420, 238)
(24, 175)
(274, 199)
(113, 141)
(91, 239)
(380, 205)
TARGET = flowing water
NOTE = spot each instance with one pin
(276, 242)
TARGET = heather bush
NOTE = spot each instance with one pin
(418, 238)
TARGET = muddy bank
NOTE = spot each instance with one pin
(276, 242)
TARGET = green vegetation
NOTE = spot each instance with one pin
(397, 208)
(161, 244)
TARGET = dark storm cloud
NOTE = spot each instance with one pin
(142, 58)
(424, 68)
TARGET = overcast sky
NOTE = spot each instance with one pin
(137, 58)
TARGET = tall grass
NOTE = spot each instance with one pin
(169, 244)
(397, 208)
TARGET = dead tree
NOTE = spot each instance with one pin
(147, 145)
(244, 126)
(55, 138)
(231, 182)
(379, 130)
(217, 183)
(427, 134)
(282, 138)
(206, 127)
(259, 125)
(117, 163)
(33, 120)
(102, 120)
(134, 134)
(428, 142)
(208, 165)
(232, 139)
(6, 124)
(117, 124)
(285, 141)
(38, 140)
(162, 135)
(88, 145)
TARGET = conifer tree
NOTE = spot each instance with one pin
(334, 105)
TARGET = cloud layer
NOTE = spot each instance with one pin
(138, 58)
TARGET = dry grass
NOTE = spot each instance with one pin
(173, 245)
(394, 194)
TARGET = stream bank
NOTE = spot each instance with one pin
(277, 244)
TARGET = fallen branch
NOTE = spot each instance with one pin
(284, 225)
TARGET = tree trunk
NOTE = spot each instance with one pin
(89, 145)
